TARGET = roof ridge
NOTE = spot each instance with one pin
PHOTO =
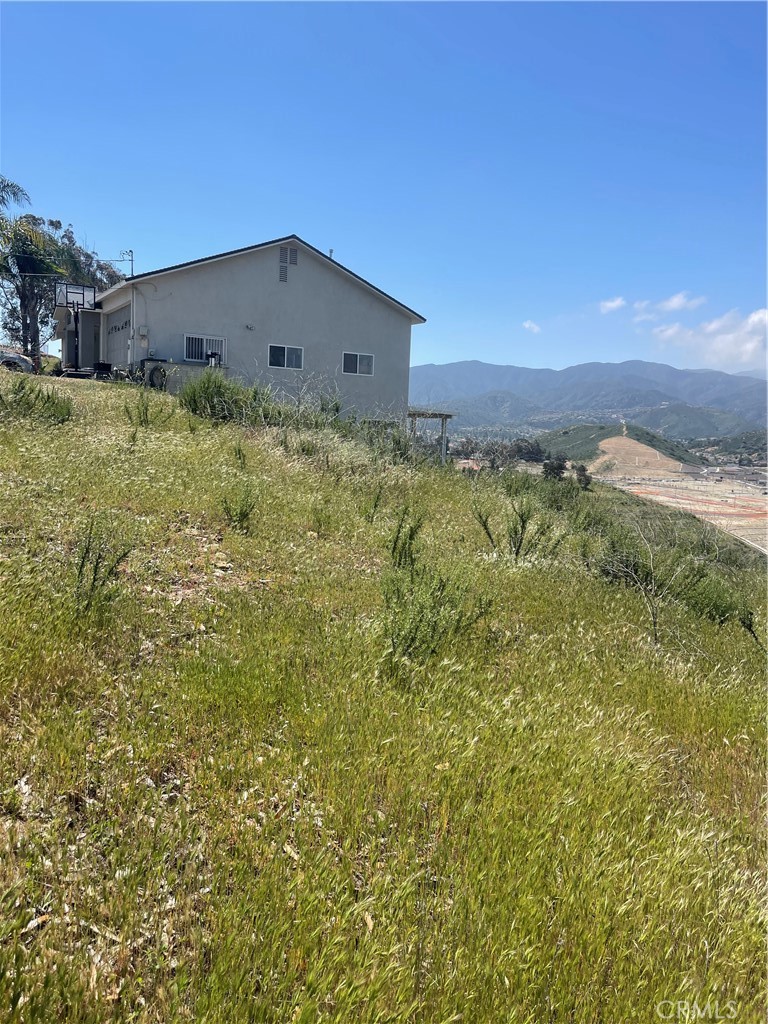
(263, 245)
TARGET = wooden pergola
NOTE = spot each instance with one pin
(429, 414)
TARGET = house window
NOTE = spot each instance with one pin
(198, 348)
(358, 362)
(288, 356)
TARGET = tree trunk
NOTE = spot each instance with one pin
(24, 303)
(34, 338)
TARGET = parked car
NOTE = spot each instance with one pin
(16, 362)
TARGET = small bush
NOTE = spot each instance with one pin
(29, 400)
(100, 554)
(403, 545)
(239, 509)
(213, 396)
(513, 483)
(424, 610)
(424, 613)
(147, 412)
(375, 504)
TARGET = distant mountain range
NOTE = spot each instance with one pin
(676, 403)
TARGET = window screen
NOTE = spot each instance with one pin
(288, 356)
(358, 362)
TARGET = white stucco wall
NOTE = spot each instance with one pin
(318, 308)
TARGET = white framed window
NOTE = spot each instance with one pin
(290, 357)
(357, 362)
(198, 348)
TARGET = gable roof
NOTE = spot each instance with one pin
(416, 318)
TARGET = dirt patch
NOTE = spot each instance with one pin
(624, 457)
(732, 505)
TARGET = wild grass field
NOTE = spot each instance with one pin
(294, 729)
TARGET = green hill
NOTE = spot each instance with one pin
(751, 445)
(578, 443)
(681, 421)
(581, 443)
(296, 729)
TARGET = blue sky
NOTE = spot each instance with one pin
(548, 183)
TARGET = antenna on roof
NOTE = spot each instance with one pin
(330, 254)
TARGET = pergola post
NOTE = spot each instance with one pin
(428, 414)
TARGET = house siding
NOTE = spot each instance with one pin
(317, 308)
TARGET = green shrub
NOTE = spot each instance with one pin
(424, 613)
(148, 412)
(514, 483)
(27, 399)
(213, 396)
(403, 545)
(100, 554)
(239, 509)
(530, 531)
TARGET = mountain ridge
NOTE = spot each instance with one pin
(490, 394)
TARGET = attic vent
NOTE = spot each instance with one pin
(283, 272)
(283, 254)
(294, 257)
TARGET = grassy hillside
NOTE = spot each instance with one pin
(294, 730)
(752, 445)
(663, 444)
(578, 443)
(678, 420)
(582, 442)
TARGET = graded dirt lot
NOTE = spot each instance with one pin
(730, 504)
(624, 457)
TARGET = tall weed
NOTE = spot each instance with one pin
(239, 508)
(424, 610)
(100, 554)
(27, 399)
(148, 412)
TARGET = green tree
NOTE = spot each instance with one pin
(27, 272)
(583, 479)
(11, 193)
(554, 467)
(34, 252)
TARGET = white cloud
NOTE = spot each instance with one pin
(609, 305)
(727, 341)
(680, 301)
(642, 312)
(529, 325)
(645, 310)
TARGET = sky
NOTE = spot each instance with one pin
(547, 183)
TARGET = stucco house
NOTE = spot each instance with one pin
(280, 312)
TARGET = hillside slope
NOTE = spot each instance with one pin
(294, 729)
(583, 442)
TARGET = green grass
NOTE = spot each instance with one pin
(340, 758)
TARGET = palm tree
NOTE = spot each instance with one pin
(27, 254)
(10, 193)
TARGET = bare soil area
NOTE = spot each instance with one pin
(624, 457)
(731, 505)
